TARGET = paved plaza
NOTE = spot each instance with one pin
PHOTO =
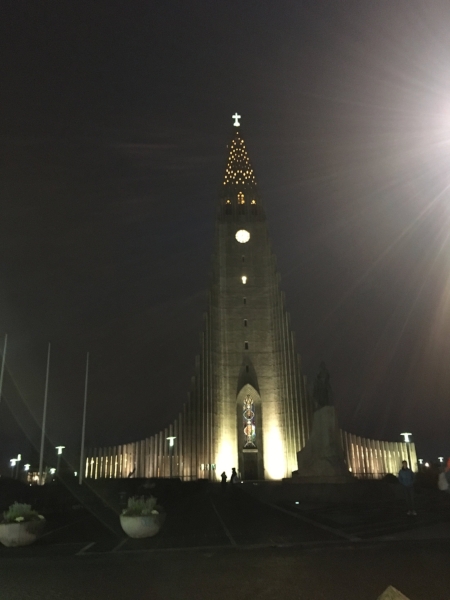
(222, 545)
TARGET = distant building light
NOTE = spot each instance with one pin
(244, 279)
(52, 471)
(406, 436)
(441, 459)
(427, 464)
(26, 467)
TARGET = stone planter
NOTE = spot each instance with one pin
(142, 527)
(21, 534)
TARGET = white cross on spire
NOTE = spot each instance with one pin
(236, 118)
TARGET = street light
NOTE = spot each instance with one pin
(18, 460)
(171, 439)
(58, 458)
(441, 459)
(12, 462)
(407, 440)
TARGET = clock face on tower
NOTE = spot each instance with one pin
(242, 236)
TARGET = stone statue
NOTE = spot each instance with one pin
(322, 460)
(322, 393)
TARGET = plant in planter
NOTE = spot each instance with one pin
(21, 525)
(142, 517)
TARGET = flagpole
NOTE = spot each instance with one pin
(83, 427)
(44, 419)
(3, 366)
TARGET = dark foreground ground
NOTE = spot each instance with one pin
(343, 572)
(231, 545)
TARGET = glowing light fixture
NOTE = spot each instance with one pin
(441, 459)
(242, 236)
(406, 437)
(244, 279)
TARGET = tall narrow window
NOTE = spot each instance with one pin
(245, 322)
(246, 368)
(248, 414)
(245, 300)
(246, 345)
(243, 258)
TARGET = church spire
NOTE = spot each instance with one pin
(239, 182)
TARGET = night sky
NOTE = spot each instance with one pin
(114, 123)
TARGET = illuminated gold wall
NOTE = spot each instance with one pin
(375, 458)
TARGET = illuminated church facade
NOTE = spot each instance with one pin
(248, 406)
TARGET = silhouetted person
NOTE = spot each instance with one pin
(223, 481)
(234, 476)
(406, 478)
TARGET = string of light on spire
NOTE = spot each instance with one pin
(239, 169)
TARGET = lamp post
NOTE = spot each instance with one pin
(58, 457)
(171, 439)
(407, 440)
(18, 460)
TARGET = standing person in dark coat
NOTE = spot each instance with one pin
(223, 481)
(234, 476)
(406, 478)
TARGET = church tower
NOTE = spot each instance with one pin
(248, 406)
(249, 378)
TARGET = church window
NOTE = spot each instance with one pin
(245, 322)
(246, 368)
(249, 423)
(243, 258)
(245, 300)
(244, 279)
(246, 345)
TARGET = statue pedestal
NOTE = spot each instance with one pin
(322, 458)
